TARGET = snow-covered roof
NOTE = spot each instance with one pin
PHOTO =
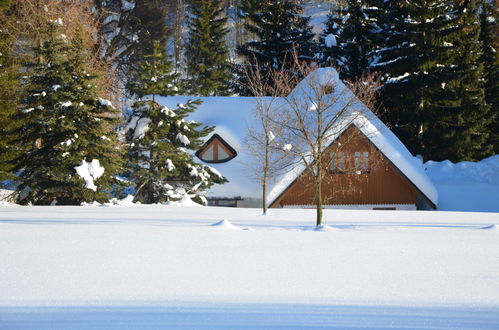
(233, 116)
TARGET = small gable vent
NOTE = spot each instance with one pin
(216, 150)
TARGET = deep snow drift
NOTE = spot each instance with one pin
(151, 267)
(466, 186)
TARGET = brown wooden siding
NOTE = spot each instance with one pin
(382, 184)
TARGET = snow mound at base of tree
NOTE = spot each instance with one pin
(225, 224)
(185, 201)
(326, 228)
(466, 186)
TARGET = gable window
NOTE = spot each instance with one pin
(361, 162)
(216, 150)
(337, 164)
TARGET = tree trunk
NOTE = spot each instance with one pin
(265, 177)
(318, 200)
(264, 195)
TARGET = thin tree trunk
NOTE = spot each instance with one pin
(318, 200)
(265, 177)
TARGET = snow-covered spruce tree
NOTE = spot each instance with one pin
(350, 37)
(159, 141)
(160, 161)
(282, 33)
(208, 68)
(489, 36)
(67, 130)
(8, 97)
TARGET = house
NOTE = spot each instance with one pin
(398, 180)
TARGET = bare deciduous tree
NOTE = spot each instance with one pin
(261, 139)
(314, 115)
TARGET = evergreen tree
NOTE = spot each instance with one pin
(457, 118)
(155, 75)
(489, 37)
(282, 31)
(160, 162)
(208, 68)
(432, 89)
(350, 37)
(67, 129)
(8, 97)
(159, 140)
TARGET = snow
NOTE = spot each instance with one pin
(270, 136)
(90, 171)
(66, 104)
(287, 147)
(164, 267)
(225, 224)
(126, 5)
(466, 186)
(330, 40)
(141, 127)
(182, 138)
(106, 103)
(169, 165)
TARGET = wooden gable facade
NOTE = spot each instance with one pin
(357, 174)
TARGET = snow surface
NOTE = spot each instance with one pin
(159, 267)
(466, 186)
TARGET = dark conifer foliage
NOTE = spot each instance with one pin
(350, 37)
(68, 131)
(489, 37)
(281, 32)
(154, 76)
(433, 90)
(208, 68)
(456, 118)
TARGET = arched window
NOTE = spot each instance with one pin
(216, 150)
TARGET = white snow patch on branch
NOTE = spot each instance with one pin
(169, 165)
(105, 103)
(182, 138)
(141, 128)
(330, 40)
(90, 171)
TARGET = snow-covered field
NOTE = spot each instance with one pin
(163, 267)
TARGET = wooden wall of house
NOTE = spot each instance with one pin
(382, 184)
